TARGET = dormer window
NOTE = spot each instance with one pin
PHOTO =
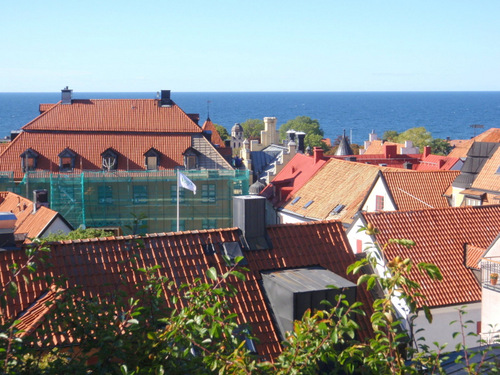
(109, 160)
(152, 160)
(29, 160)
(191, 158)
(67, 160)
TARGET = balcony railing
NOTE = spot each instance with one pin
(489, 268)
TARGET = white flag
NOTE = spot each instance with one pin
(186, 183)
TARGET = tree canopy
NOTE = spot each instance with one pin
(252, 128)
(314, 133)
(222, 131)
(420, 138)
(78, 234)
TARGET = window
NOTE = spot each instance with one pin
(29, 160)
(295, 200)
(140, 194)
(105, 193)
(152, 159)
(472, 202)
(67, 160)
(359, 246)
(191, 158)
(173, 194)
(308, 204)
(379, 203)
(208, 193)
(109, 160)
(182, 225)
(209, 223)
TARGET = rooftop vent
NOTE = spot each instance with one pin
(338, 209)
(40, 198)
(291, 292)
(249, 214)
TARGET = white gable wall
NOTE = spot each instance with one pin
(378, 189)
(58, 225)
(490, 317)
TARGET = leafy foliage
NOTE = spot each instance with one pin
(314, 133)
(222, 132)
(252, 128)
(420, 138)
(78, 234)
(196, 332)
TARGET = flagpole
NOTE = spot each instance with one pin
(178, 176)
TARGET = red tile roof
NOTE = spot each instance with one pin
(29, 223)
(419, 190)
(98, 265)
(291, 178)
(488, 178)
(216, 138)
(461, 147)
(473, 255)
(440, 236)
(337, 183)
(436, 163)
(113, 115)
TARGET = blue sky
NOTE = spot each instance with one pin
(222, 45)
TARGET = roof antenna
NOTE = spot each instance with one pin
(208, 109)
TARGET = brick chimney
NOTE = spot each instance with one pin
(427, 151)
(165, 100)
(390, 151)
(318, 154)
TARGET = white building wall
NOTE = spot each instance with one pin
(441, 331)
(490, 318)
(290, 218)
(57, 225)
(378, 189)
(353, 236)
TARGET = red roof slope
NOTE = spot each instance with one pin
(436, 163)
(292, 177)
(216, 138)
(29, 223)
(116, 115)
(98, 265)
(440, 236)
(421, 190)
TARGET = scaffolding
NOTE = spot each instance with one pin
(136, 201)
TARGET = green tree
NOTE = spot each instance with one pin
(252, 128)
(222, 132)
(390, 135)
(440, 146)
(419, 136)
(78, 234)
(314, 133)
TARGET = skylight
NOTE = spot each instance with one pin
(338, 208)
(295, 200)
(498, 170)
(308, 204)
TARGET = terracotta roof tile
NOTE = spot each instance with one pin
(216, 138)
(98, 266)
(437, 162)
(338, 182)
(291, 178)
(440, 236)
(473, 255)
(29, 223)
(117, 115)
(377, 147)
(489, 177)
(420, 190)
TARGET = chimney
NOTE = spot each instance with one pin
(301, 137)
(7, 227)
(407, 165)
(372, 136)
(390, 151)
(318, 154)
(441, 163)
(427, 151)
(195, 117)
(165, 100)
(291, 135)
(249, 214)
(40, 198)
(14, 134)
(66, 95)
(292, 148)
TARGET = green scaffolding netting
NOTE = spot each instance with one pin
(136, 201)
